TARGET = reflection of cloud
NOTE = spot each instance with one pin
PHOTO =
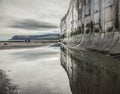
(30, 24)
(35, 55)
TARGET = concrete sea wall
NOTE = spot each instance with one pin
(92, 24)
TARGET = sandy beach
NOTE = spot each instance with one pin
(16, 45)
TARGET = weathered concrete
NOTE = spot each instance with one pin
(92, 24)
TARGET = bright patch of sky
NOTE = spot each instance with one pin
(30, 17)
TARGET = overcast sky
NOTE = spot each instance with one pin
(26, 17)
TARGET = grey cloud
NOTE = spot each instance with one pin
(30, 24)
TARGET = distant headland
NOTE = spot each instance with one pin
(29, 41)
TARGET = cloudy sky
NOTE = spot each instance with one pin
(26, 17)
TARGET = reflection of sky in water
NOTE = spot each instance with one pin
(36, 71)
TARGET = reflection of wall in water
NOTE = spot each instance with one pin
(91, 73)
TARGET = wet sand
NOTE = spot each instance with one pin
(34, 71)
(16, 45)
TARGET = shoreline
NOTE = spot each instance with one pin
(16, 45)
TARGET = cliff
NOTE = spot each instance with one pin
(36, 37)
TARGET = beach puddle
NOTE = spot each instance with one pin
(33, 71)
